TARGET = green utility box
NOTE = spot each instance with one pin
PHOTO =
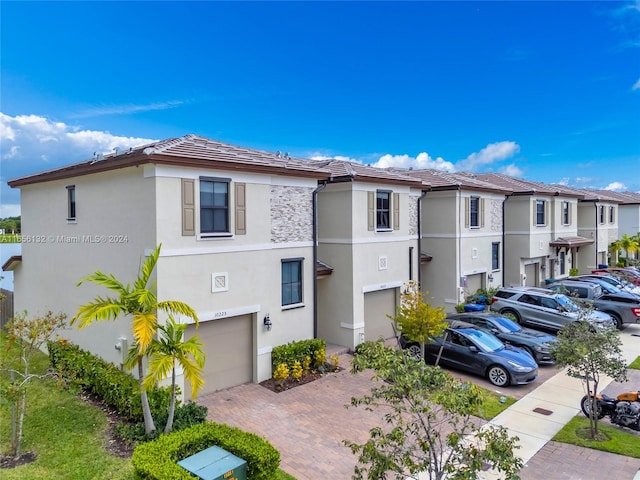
(214, 463)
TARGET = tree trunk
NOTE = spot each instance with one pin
(149, 426)
(23, 407)
(172, 405)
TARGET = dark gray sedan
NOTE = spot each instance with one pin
(535, 342)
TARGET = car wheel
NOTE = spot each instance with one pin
(498, 376)
(530, 351)
(617, 320)
(415, 351)
(507, 312)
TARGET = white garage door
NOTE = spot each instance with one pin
(228, 346)
(377, 305)
(531, 271)
(474, 282)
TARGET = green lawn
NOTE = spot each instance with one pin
(620, 442)
(67, 435)
(635, 364)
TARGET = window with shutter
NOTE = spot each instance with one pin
(396, 211)
(371, 211)
(240, 209)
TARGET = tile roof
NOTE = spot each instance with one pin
(366, 173)
(186, 151)
(440, 180)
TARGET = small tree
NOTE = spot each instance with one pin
(418, 321)
(164, 352)
(430, 431)
(138, 301)
(587, 353)
(25, 337)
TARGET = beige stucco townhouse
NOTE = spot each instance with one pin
(461, 218)
(236, 228)
(542, 235)
(368, 234)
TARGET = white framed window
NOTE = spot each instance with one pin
(495, 256)
(474, 212)
(291, 281)
(383, 210)
(566, 213)
(71, 203)
(612, 215)
(601, 214)
(214, 206)
(541, 206)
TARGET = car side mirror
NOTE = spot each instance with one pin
(473, 348)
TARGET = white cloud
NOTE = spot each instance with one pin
(126, 109)
(616, 187)
(511, 170)
(420, 162)
(336, 157)
(636, 86)
(32, 143)
(491, 153)
(564, 181)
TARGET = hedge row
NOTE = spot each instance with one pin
(157, 460)
(117, 389)
(293, 352)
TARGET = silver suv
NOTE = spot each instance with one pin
(624, 307)
(545, 308)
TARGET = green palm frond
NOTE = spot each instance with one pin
(192, 374)
(146, 270)
(180, 308)
(144, 328)
(106, 280)
(100, 309)
(160, 367)
(131, 361)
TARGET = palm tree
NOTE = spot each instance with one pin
(141, 303)
(169, 349)
(629, 245)
(614, 249)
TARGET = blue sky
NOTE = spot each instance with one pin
(548, 91)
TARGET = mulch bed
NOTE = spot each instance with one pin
(289, 383)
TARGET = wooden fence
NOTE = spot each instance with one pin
(6, 306)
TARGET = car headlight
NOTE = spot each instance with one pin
(517, 366)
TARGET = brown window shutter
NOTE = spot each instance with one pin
(396, 211)
(481, 207)
(546, 213)
(466, 212)
(241, 208)
(371, 210)
(188, 207)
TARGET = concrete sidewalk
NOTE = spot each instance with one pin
(542, 413)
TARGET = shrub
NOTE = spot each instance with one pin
(281, 373)
(315, 348)
(156, 460)
(185, 416)
(115, 388)
(296, 371)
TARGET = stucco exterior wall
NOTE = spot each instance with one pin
(115, 226)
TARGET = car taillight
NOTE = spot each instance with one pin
(636, 311)
(494, 299)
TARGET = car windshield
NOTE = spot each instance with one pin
(484, 341)
(566, 303)
(505, 325)
(607, 287)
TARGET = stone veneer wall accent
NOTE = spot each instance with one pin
(291, 214)
(495, 215)
(413, 215)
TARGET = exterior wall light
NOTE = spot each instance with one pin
(267, 322)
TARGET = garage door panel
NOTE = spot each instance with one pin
(228, 348)
(377, 305)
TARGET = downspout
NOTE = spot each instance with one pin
(424, 194)
(321, 187)
(595, 204)
(504, 237)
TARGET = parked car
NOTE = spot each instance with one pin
(622, 306)
(631, 275)
(542, 307)
(617, 282)
(536, 343)
(465, 347)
